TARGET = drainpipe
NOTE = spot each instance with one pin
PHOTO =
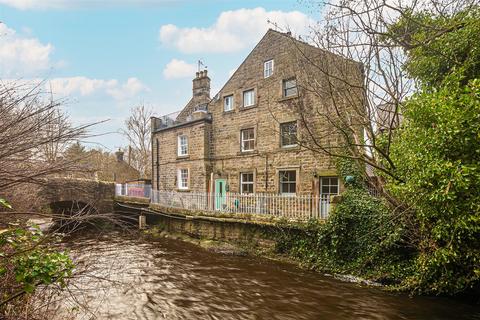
(266, 173)
(151, 154)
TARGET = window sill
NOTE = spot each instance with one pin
(183, 157)
(183, 190)
(289, 148)
(282, 99)
(248, 108)
(229, 112)
(250, 152)
(288, 194)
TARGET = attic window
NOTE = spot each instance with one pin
(267, 68)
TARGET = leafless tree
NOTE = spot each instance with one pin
(359, 76)
(54, 150)
(33, 134)
(137, 131)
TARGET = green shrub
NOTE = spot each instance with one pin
(28, 260)
(361, 237)
(437, 153)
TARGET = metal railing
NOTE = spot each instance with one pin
(299, 207)
(173, 119)
(133, 190)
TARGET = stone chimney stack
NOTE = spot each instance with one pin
(201, 85)
(119, 155)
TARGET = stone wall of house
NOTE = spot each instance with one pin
(198, 134)
(221, 152)
(270, 110)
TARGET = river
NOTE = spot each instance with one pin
(127, 277)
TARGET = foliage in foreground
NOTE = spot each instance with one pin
(432, 245)
(437, 149)
(28, 261)
(440, 45)
(437, 153)
(361, 237)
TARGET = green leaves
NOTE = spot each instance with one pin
(439, 47)
(32, 261)
(5, 203)
(437, 153)
(361, 237)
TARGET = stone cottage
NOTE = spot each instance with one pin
(246, 139)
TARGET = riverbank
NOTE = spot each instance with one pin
(253, 250)
(360, 242)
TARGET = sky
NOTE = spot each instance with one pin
(104, 57)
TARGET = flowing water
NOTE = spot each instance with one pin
(131, 278)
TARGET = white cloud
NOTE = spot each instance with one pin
(233, 30)
(79, 85)
(65, 4)
(179, 69)
(22, 56)
(129, 89)
(84, 86)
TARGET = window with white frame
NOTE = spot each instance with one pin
(328, 186)
(290, 87)
(228, 103)
(287, 181)
(267, 68)
(248, 98)
(182, 145)
(246, 182)
(247, 137)
(182, 179)
(288, 134)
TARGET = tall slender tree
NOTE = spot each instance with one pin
(137, 131)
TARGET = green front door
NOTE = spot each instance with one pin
(220, 194)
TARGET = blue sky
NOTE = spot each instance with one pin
(103, 57)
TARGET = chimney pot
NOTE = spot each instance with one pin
(119, 155)
(201, 87)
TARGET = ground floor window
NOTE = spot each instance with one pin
(246, 182)
(328, 186)
(288, 181)
(183, 179)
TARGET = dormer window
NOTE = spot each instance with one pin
(267, 68)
